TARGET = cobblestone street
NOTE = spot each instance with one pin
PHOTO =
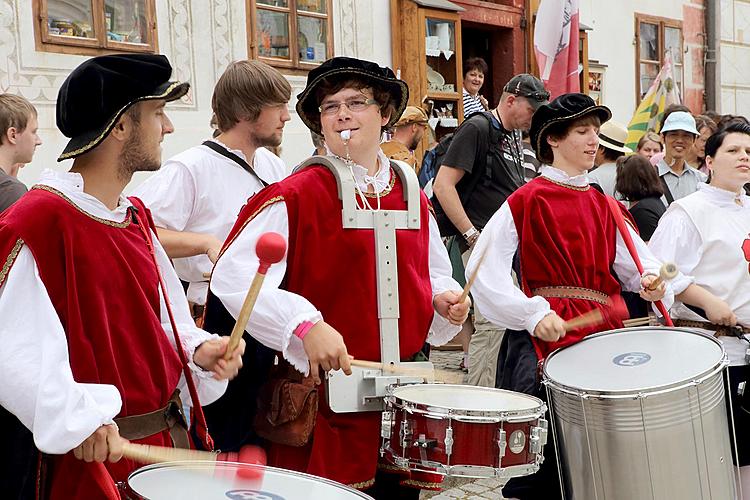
(459, 488)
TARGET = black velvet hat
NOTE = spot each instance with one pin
(100, 90)
(342, 68)
(565, 108)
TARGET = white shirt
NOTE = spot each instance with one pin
(605, 176)
(507, 306)
(202, 191)
(38, 385)
(277, 312)
(717, 263)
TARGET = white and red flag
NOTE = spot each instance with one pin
(556, 45)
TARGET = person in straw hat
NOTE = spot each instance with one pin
(90, 353)
(612, 137)
(407, 134)
(320, 303)
(569, 250)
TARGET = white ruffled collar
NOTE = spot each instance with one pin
(557, 175)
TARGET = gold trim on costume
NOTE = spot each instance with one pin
(574, 188)
(392, 468)
(387, 190)
(363, 485)
(422, 484)
(54, 191)
(10, 260)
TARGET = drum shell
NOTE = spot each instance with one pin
(670, 443)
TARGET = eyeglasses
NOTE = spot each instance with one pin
(332, 108)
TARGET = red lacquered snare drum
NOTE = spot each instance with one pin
(460, 430)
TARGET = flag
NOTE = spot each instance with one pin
(661, 94)
(556, 45)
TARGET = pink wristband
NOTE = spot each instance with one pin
(303, 329)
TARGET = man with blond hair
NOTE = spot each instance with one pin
(18, 141)
(197, 194)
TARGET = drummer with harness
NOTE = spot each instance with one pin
(366, 276)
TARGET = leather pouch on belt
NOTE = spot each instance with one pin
(287, 406)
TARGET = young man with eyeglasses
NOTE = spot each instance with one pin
(482, 167)
(319, 305)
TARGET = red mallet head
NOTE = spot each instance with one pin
(270, 249)
(616, 309)
(250, 455)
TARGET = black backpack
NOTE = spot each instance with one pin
(495, 137)
(433, 158)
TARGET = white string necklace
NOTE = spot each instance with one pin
(365, 205)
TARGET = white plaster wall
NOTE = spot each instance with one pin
(612, 42)
(735, 53)
(200, 38)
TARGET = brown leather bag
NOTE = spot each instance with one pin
(287, 406)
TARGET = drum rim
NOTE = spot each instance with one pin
(494, 415)
(699, 378)
(265, 468)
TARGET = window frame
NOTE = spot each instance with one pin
(292, 65)
(46, 42)
(662, 23)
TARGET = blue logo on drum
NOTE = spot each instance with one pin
(632, 359)
(252, 495)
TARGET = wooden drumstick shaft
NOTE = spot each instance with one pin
(666, 273)
(244, 316)
(440, 375)
(470, 282)
(148, 454)
(591, 318)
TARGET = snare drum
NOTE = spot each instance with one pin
(461, 430)
(639, 413)
(224, 481)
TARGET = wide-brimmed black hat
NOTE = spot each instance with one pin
(565, 108)
(100, 90)
(342, 68)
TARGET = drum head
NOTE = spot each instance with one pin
(467, 398)
(634, 360)
(224, 481)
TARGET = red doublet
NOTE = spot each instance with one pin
(103, 285)
(566, 237)
(334, 268)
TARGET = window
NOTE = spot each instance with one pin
(654, 38)
(272, 22)
(89, 27)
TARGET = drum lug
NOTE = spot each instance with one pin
(538, 437)
(405, 434)
(741, 388)
(448, 441)
(386, 424)
(425, 443)
(502, 443)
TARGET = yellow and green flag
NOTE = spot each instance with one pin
(661, 94)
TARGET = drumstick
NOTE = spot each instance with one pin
(667, 272)
(470, 282)
(270, 249)
(616, 308)
(439, 375)
(645, 320)
(150, 454)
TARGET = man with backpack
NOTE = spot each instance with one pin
(482, 167)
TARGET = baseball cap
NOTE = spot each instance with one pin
(530, 87)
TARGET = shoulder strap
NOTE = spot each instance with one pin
(667, 192)
(199, 419)
(614, 208)
(239, 161)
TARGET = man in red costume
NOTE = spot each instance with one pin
(91, 350)
(320, 304)
(571, 259)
